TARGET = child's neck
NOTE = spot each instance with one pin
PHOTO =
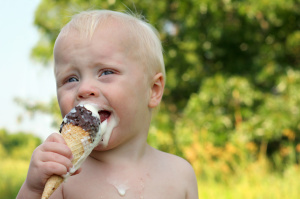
(128, 153)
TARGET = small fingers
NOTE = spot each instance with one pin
(56, 158)
(55, 137)
(53, 156)
(50, 168)
(59, 148)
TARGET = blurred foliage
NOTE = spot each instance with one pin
(229, 124)
(49, 108)
(15, 153)
(233, 72)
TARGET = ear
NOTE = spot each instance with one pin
(157, 90)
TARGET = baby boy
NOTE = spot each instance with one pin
(113, 60)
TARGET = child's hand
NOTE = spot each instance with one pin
(51, 157)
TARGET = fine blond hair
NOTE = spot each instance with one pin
(144, 38)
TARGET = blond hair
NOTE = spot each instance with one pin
(144, 38)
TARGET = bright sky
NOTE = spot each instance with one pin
(19, 75)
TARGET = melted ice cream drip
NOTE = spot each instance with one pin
(113, 122)
(121, 188)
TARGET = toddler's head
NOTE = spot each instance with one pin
(141, 39)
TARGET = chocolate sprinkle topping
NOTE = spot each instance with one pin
(80, 116)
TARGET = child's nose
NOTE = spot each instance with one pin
(86, 90)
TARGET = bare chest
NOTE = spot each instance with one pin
(134, 187)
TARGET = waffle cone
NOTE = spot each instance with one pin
(74, 136)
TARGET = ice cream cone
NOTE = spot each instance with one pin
(51, 185)
(73, 136)
(80, 141)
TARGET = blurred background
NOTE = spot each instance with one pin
(231, 105)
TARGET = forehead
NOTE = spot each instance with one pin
(114, 32)
(106, 38)
(103, 39)
(107, 42)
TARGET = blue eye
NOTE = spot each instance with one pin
(107, 72)
(72, 79)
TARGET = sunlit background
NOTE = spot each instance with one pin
(21, 77)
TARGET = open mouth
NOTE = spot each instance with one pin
(104, 115)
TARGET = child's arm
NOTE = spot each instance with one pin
(190, 181)
(192, 186)
(51, 157)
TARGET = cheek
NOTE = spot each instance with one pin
(65, 102)
(132, 103)
(123, 101)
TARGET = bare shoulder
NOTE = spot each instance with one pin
(174, 161)
(181, 172)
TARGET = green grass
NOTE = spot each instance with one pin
(255, 183)
(12, 175)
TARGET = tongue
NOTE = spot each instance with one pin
(104, 115)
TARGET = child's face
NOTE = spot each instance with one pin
(102, 72)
